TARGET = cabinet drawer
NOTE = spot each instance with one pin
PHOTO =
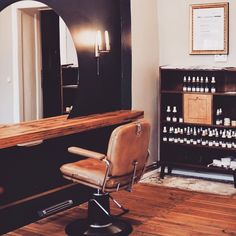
(198, 108)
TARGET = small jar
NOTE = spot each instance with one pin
(227, 121)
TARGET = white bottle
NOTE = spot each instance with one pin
(206, 90)
(185, 84)
(189, 84)
(213, 85)
(168, 113)
(174, 118)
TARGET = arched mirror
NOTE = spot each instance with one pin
(38, 63)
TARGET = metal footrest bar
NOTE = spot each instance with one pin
(55, 208)
(125, 210)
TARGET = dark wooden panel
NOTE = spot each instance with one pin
(126, 55)
(198, 108)
(51, 64)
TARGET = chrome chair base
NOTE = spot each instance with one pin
(82, 227)
(100, 222)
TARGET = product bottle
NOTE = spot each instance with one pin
(217, 138)
(168, 113)
(229, 139)
(191, 135)
(164, 138)
(185, 84)
(171, 134)
(223, 139)
(218, 120)
(199, 138)
(189, 84)
(174, 112)
(204, 135)
(188, 136)
(193, 87)
(220, 116)
(197, 84)
(201, 84)
(176, 135)
(213, 85)
(206, 90)
(210, 138)
(181, 135)
(195, 136)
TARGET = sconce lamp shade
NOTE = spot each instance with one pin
(100, 46)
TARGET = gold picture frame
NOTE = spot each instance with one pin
(209, 24)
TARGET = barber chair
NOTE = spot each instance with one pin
(119, 169)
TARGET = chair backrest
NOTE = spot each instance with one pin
(128, 144)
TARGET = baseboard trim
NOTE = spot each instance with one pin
(151, 167)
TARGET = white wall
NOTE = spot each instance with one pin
(9, 77)
(160, 36)
(6, 54)
(145, 64)
(174, 27)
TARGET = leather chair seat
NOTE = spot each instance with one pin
(89, 170)
(92, 172)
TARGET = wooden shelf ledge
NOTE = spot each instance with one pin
(11, 135)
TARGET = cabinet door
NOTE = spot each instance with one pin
(198, 108)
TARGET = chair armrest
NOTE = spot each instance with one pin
(86, 153)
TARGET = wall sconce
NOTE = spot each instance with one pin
(101, 48)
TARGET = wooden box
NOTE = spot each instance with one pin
(198, 108)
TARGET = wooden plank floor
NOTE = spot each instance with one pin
(156, 210)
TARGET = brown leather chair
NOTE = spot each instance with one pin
(123, 166)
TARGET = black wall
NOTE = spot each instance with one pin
(112, 89)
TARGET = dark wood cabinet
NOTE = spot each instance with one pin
(198, 119)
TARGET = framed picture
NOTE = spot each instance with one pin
(209, 28)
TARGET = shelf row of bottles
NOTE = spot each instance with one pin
(199, 84)
(217, 94)
(198, 135)
(172, 114)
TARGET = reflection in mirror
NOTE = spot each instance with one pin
(38, 63)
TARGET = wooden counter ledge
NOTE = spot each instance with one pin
(11, 135)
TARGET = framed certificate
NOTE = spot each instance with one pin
(209, 28)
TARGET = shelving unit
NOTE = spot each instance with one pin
(69, 87)
(190, 136)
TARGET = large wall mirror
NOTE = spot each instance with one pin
(38, 63)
